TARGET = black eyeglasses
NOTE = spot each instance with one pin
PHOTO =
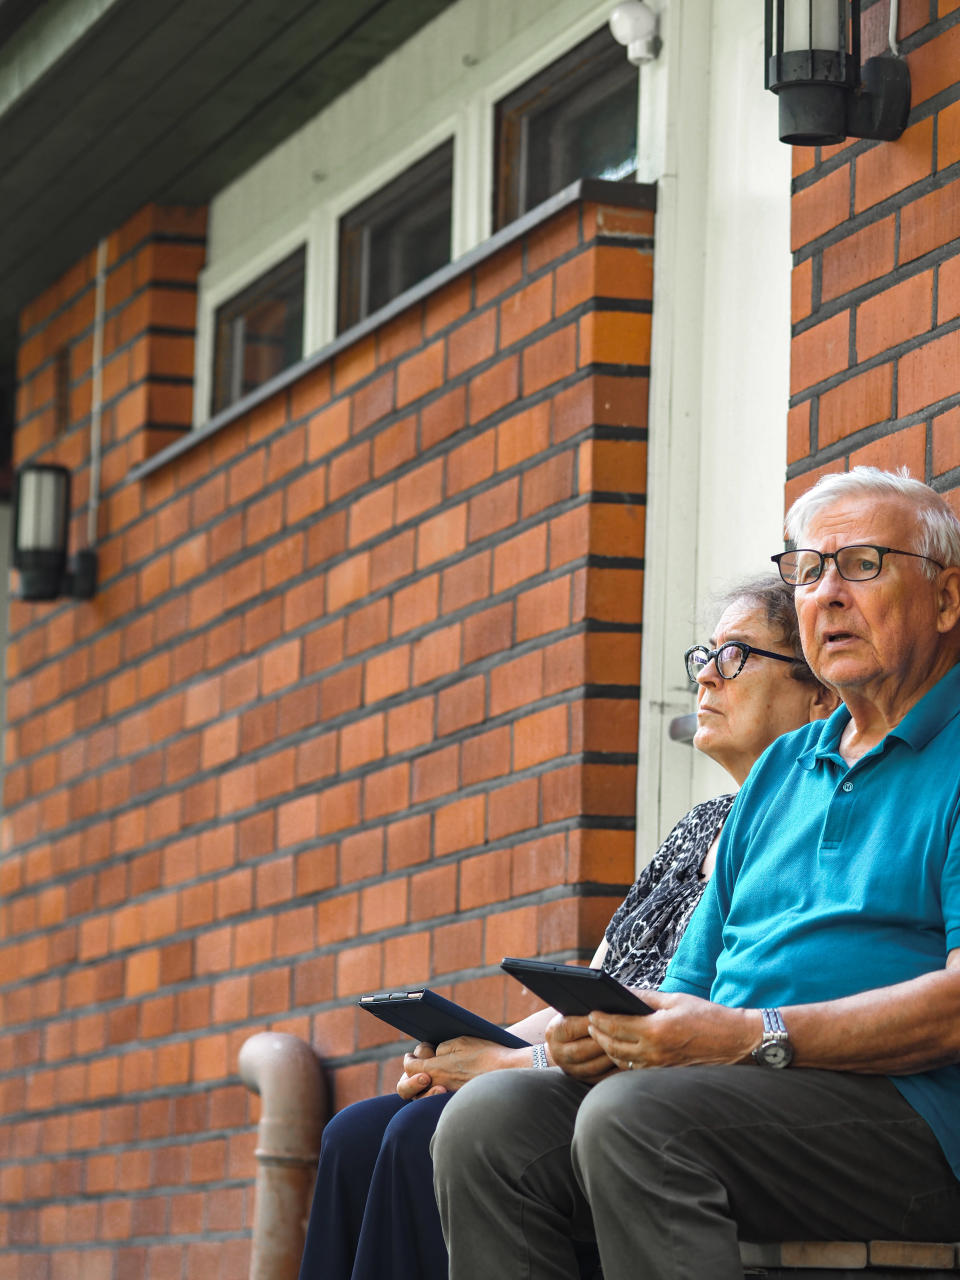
(858, 563)
(730, 658)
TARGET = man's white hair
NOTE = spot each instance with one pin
(938, 529)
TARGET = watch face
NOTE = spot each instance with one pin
(775, 1053)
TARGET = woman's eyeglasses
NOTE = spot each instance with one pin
(730, 658)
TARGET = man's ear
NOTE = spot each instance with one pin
(948, 599)
(823, 701)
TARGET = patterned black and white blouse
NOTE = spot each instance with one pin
(648, 924)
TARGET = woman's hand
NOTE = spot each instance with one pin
(453, 1063)
(415, 1082)
(574, 1050)
(682, 1031)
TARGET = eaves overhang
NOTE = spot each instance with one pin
(107, 105)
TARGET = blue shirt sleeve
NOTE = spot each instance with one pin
(950, 891)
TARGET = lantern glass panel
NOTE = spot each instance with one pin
(42, 511)
(814, 24)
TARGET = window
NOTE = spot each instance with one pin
(259, 332)
(576, 119)
(396, 237)
(383, 211)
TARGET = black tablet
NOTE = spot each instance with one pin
(426, 1016)
(572, 989)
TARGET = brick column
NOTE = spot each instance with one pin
(876, 297)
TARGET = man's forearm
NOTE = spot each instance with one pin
(913, 1026)
(897, 1030)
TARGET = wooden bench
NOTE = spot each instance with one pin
(833, 1260)
(850, 1260)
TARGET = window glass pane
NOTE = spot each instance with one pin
(395, 238)
(259, 332)
(593, 136)
(576, 119)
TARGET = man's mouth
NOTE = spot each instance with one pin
(831, 638)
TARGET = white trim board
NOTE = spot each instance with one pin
(719, 367)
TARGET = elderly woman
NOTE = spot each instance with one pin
(374, 1213)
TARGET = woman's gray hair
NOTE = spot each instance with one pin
(938, 529)
(770, 595)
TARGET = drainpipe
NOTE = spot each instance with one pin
(286, 1074)
(96, 399)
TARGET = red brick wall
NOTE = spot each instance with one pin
(876, 283)
(356, 703)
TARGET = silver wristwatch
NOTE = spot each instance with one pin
(775, 1049)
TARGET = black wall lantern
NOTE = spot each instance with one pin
(813, 66)
(41, 527)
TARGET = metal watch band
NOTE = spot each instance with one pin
(540, 1060)
(775, 1049)
(773, 1024)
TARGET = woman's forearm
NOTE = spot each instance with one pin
(534, 1026)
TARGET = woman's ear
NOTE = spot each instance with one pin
(823, 701)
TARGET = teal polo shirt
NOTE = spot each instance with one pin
(832, 880)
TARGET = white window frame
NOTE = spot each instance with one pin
(325, 220)
(211, 295)
(470, 124)
(539, 57)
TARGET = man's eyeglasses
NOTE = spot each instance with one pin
(858, 563)
(730, 658)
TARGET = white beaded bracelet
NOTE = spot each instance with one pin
(540, 1060)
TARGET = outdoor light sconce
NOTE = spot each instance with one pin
(813, 66)
(41, 526)
(634, 24)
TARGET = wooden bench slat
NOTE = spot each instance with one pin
(912, 1253)
(846, 1255)
(850, 1254)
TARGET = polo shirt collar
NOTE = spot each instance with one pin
(936, 708)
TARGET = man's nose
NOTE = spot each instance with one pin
(831, 586)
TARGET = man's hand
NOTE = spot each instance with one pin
(682, 1031)
(575, 1051)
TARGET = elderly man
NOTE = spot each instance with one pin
(828, 944)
